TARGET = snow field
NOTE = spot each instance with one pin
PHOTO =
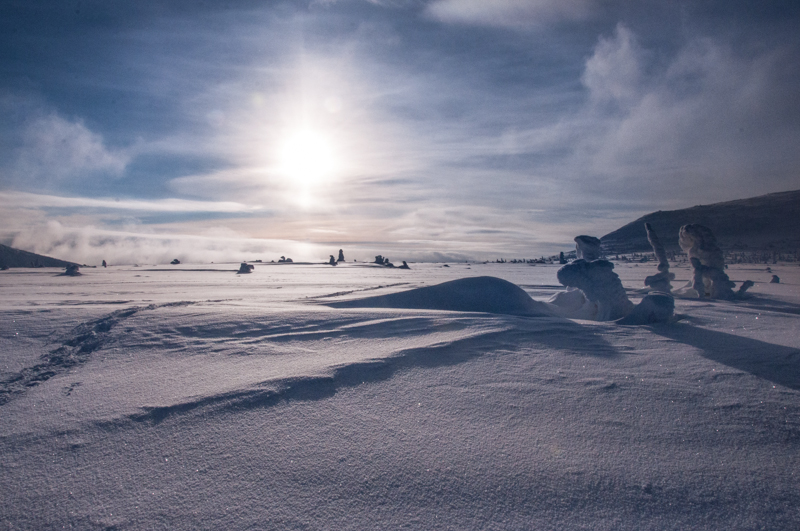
(204, 400)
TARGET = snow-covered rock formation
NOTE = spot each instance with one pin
(587, 247)
(709, 278)
(597, 293)
(72, 271)
(600, 285)
(661, 280)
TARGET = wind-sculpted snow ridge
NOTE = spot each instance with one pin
(75, 349)
(141, 366)
(268, 394)
(475, 294)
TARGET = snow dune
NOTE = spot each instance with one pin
(473, 294)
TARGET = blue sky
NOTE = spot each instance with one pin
(418, 129)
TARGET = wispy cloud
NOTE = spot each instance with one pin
(91, 245)
(55, 149)
(510, 13)
(710, 118)
(29, 200)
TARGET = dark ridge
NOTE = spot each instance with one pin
(10, 257)
(767, 222)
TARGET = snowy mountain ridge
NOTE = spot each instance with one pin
(767, 222)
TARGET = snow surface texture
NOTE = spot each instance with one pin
(188, 397)
(709, 279)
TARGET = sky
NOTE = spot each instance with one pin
(436, 130)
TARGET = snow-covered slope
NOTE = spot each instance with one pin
(10, 257)
(141, 398)
(767, 222)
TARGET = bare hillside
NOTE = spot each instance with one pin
(10, 257)
(767, 222)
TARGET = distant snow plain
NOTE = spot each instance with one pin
(190, 397)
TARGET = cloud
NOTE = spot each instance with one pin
(707, 120)
(614, 71)
(28, 200)
(91, 245)
(55, 149)
(509, 13)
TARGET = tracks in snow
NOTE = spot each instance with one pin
(76, 348)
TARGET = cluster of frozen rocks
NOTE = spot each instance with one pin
(595, 292)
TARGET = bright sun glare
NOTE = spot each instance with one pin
(306, 158)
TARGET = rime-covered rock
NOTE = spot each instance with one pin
(72, 271)
(661, 280)
(709, 278)
(655, 307)
(600, 285)
(587, 248)
(746, 285)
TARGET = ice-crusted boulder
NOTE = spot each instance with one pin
(600, 285)
(709, 278)
(655, 307)
(746, 285)
(661, 280)
(72, 270)
(573, 304)
(587, 248)
(595, 292)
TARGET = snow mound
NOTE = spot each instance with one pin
(476, 294)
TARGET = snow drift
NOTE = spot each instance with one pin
(477, 294)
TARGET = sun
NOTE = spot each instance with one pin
(306, 158)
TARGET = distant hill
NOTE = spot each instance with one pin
(11, 257)
(767, 222)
